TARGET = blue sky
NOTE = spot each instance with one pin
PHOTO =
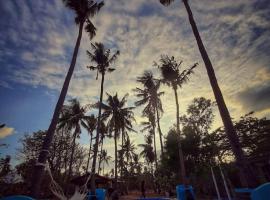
(37, 39)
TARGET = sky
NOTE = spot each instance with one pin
(37, 39)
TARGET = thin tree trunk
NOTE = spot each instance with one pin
(115, 162)
(89, 153)
(246, 173)
(155, 148)
(71, 158)
(180, 151)
(160, 133)
(101, 148)
(93, 185)
(39, 167)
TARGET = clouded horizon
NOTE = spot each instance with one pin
(38, 37)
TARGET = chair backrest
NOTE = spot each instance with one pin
(261, 193)
(19, 197)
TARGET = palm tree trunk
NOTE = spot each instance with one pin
(100, 159)
(71, 157)
(155, 148)
(180, 151)
(93, 185)
(160, 133)
(89, 153)
(115, 162)
(39, 167)
(246, 173)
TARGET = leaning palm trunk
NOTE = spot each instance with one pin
(39, 167)
(89, 153)
(180, 151)
(247, 176)
(159, 131)
(93, 185)
(72, 153)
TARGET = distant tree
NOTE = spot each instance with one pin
(148, 151)
(5, 166)
(105, 158)
(248, 177)
(84, 10)
(118, 116)
(150, 97)
(103, 59)
(72, 117)
(174, 77)
(89, 123)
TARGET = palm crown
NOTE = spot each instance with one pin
(102, 57)
(171, 71)
(84, 10)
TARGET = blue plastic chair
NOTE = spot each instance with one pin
(261, 193)
(19, 197)
(181, 191)
(100, 194)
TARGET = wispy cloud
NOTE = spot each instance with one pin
(40, 36)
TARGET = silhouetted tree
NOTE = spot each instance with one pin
(90, 124)
(84, 10)
(245, 170)
(173, 77)
(150, 97)
(103, 59)
(117, 115)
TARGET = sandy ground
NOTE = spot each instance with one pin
(136, 195)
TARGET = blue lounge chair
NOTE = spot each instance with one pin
(261, 193)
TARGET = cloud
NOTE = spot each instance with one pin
(6, 131)
(235, 34)
(256, 98)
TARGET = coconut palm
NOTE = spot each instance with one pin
(128, 149)
(103, 59)
(150, 127)
(173, 77)
(103, 134)
(245, 169)
(147, 150)
(72, 117)
(89, 123)
(150, 96)
(118, 116)
(105, 158)
(84, 10)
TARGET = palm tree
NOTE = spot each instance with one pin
(72, 117)
(147, 151)
(151, 96)
(103, 134)
(150, 127)
(105, 158)
(84, 10)
(129, 149)
(103, 59)
(174, 77)
(89, 123)
(118, 116)
(245, 169)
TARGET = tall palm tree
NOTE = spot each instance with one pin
(117, 115)
(246, 173)
(151, 96)
(84, 10)
(105, 158)
(72, 118)
(103, 134)
(103, 59)
(150, 127)
(173, 77)
(89, 123)
(147, 151)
